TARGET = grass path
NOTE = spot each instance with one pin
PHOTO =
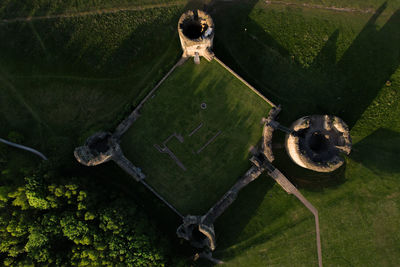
(66, 77)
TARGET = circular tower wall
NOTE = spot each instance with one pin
(196, 33)
(317, 142)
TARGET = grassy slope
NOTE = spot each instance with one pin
(232, 108)
(10, 9)
(315, 61)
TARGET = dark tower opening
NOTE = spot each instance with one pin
(318, 142)
(99, 144)
(198, 236)
(192, 29)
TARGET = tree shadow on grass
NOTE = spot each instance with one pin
(379, 151)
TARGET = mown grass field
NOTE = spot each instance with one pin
(309, 59)
(233, 115)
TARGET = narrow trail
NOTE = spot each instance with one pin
(34, 151)
(291, 189)
(313, 6)
(68, 77)
(89, 13)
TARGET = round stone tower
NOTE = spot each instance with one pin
(196, 32)
(317, 142)
(199, 234)
(99, 148)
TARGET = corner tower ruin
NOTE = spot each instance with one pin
(316, 142)
(196, 33)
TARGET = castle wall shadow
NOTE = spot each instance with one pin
(379, 151)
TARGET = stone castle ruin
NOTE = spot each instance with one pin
(317, 141)
(102, 147)
(98, 148)
(196, 32)
(314, 142)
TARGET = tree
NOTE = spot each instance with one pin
(68, 223)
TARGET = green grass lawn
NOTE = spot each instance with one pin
(233, 110)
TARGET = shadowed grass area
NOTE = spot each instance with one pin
(62, 79)
(311, 60)
(232, 115)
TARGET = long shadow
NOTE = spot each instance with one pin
(326, 58)
(236, 217)
(249, 50)
(369, 62)
(362, 71)
(379, 151)
(349, 85)
(147, 44)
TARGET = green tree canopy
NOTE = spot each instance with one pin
(64, 223)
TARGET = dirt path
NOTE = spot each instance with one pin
(291, 189)
(67, 77)
(333, 8)
(34, 151)
(89, 13)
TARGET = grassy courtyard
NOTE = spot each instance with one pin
(215, 155)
